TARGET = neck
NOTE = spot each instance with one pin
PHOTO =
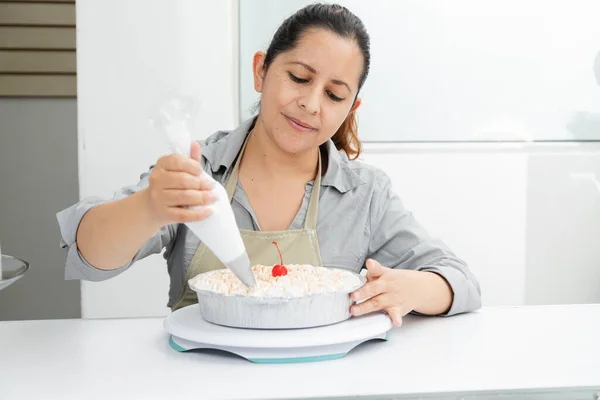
(262, 153)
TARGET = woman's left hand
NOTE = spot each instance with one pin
(395, 291)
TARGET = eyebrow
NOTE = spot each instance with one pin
(314, 71)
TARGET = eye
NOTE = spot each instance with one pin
(333, 96)
(296, 79)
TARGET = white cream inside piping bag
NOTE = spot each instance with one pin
(219, 232)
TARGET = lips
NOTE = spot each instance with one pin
(300, 125)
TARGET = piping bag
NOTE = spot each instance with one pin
(219, 232)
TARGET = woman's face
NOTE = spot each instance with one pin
(308, 91)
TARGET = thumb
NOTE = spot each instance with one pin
(195, 152)
(374, 269)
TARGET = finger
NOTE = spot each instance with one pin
(395, 314)
(195, 152)
(179, 163)
(183, 215)
(187, 197)
(374, 269)
(183, 180)
(376, 303)
(370, 289)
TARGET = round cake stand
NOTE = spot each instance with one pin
(190, 332)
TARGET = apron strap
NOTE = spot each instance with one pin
(313, 204)
(235, 173)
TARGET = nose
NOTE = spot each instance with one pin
(310, 102)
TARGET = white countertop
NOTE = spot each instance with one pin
(550, 349)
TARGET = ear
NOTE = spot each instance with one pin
(357, 104)
(258, 70)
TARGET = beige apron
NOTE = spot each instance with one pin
(298, 246)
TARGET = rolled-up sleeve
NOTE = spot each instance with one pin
(76, 266)
(399, 241)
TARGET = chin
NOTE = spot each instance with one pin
(293, 142)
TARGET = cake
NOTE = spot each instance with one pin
(300, 280)
(285, 296)
(279, 280)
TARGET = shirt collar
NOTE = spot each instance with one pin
(222, 148)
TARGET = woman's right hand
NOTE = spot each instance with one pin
(177, 182)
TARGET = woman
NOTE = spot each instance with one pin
(291, 174)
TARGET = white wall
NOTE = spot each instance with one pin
(516, 213)
(525, 217)
(131, 55)
(476, 202)
(463, 70)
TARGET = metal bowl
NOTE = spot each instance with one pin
(11, 270)
(254, 312)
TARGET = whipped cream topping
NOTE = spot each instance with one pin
(301, 280)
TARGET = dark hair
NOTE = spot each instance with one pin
(339, 20)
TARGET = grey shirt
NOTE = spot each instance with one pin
(359, 217)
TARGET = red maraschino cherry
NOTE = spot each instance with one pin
(279, 269)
